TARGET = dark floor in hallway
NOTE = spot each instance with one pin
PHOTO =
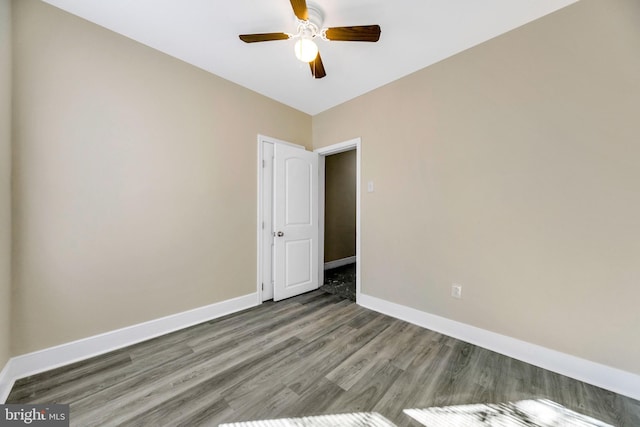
(341, 281)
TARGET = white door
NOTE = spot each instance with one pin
(295, 196)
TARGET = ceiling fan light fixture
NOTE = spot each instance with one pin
(306, 50)
(310, 19)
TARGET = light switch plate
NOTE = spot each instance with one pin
(370, 186)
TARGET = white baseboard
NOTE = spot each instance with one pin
(53, 357)
(5, 382)
(339, 262)
(613, 379)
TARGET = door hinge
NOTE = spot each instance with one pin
(263, 163)
(263, 286)
(263, 225)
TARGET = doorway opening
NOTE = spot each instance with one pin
(340, 224)
(339, 166)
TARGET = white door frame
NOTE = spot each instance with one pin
(262, 140)
(327, 151)
(322, 152)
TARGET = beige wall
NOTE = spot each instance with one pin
(340, 206)
(5, 179)
(135, 180)
(512, 169)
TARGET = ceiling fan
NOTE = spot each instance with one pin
(310, 19)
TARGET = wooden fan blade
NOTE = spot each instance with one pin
(361, 33)
(253, 38)
(317, 68)
(300, 9)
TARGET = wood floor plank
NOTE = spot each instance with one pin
(315, 400)
(186, 368)
(215, 414)
(43, 387)
(410, 342)
(179, 388)
(195, 401)
(455, 383)
(239, 330)
(263, 402)
(368, 391)
(356, 366)
(309, 355)
(339, 317)
(493, 377)
(297, 362)
(327, 359)
(421, 378)
(188, 413)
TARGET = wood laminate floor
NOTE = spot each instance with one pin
(309, 355)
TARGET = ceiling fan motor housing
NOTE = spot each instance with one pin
(315, 19)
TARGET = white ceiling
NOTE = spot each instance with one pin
(415, 34)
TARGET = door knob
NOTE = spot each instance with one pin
(280, 234)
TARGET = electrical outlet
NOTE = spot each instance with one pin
(456, 291)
